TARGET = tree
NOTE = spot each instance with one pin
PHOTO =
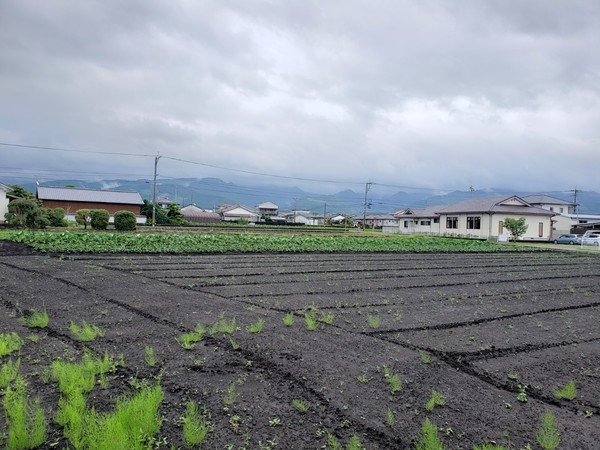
(18, 210)
(99, 219)
(125, 221)
(174, 214)
(56, 217)
(20, 192)
(517, 227)
(161, 215)
(82, 217)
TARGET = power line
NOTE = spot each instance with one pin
(58, 149)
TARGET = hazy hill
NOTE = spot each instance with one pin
(211, 192)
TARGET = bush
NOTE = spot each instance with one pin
(99, 219)
(125, 221)
(82, 217)
(56, 217)
(19, 209)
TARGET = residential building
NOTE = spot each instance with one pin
(4, 190)
(269, 209)
(74, 199)
(478, 218)
(234, 213)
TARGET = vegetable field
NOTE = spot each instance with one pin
(373, 350)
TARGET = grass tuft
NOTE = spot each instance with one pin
(85, 332)
(230, 397)
(373, 321)
(390, 419)
(568, 392)
(548, 435)
(288, 319)
(428, 438)
(222, 326)
(189, 339)
(150, 356)
(256, 327)
(301, 406)
(393, 380)
(9, 372)
(311, 322)
(9, 343)
(195, 425)
(35, 319)
(436, 399)
(25, 419)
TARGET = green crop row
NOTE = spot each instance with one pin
(65, 242)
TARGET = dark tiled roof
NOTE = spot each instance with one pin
(494, 205)
(88, 195)
(546, 199)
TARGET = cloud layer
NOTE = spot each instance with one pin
(435, 94)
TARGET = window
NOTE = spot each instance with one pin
(406, 224)
(474, 223)
(425, 222)
(452, 222)
(562, 210)
(436, 220)
(541, 229)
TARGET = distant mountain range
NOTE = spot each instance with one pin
(210, 192)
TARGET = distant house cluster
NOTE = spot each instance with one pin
(546, 217)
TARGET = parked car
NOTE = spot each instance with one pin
(591, 237)
(568, 239)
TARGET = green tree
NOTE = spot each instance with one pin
(99, 219)
(125, 221)
(174, 214)
(161, 215)
(20, 192)
(56, 217)
(517, 227)
(82, 217)
(19, 209)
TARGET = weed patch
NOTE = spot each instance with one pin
(35, 319)
(9, 372)
(256, 327)
(85, 332)
(195, 425)
(567, 392)
(428, 438)
(548, 435)
(25, 419)
(9, 343)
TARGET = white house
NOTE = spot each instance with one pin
(564, 220)
(479, 218)
(3, 201)
(238, 212)
(267, 209)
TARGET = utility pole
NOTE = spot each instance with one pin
(156, 158)
(575, 191)
(366, 204)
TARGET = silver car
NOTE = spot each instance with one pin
(591, 237)
(568, 239)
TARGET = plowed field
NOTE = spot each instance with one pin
(477, 328)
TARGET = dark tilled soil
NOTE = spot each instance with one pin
(475, 328)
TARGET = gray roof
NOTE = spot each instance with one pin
(88, 195)
(494, 205)
(428, 212)
(545, 199)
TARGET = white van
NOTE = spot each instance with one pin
(591, 237)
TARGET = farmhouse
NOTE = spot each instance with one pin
(267, 209)
(4, 190)
(479, 218)
(234, 213)
(73, 199)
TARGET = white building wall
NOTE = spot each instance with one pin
(3, 205)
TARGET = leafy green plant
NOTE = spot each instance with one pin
(568, 392)
(195, 425)
(373, 321)
(436, 399)
(487, 446)
(188, 340)
(256, 327)
(134, 421)
(234, 344)
(390, 419)
(548, 435)
(428, 438)
(85, 332)
(25, 419)
(332, 442)
(230, 397)
(310, 321)
(222, 326)
(327, 318)
(393, 380)
(9, 372)
(424, 357)
(522, 396)
(288, 319)
(354, 443)
(300, 405)
(150, 356)
(35, 319)
(9, 343)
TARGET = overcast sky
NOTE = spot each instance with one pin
(436, 94)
